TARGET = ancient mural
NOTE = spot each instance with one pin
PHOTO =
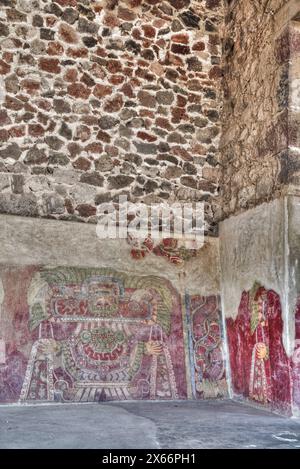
(175, 251)
(88, 335)
(2, 342)
(296, 362)
(92, 335)
(260, 368)
(206, 346)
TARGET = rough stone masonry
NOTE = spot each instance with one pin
(260, 44)
(101, 98)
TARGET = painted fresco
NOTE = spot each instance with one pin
(173, 250)
(88, 335)
(296, 362)
(260, 368)
(91, 335)
(206, 347)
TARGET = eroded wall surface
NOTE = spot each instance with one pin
(259, 130)
(105, 326)
(106, 97)
(292, 161)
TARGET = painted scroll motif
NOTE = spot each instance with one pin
(206, 345)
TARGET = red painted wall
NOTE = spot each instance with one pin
(260, 368)
(296, 362)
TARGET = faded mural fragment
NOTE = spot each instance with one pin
(260, 368)
(2, 342)
(16, 339)
(296, 362)
(207, 360)
(173, 250)
(84, 334)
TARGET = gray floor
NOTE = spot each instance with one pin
(209, 424)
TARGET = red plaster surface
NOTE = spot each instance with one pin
(296, 361)
(260, 368)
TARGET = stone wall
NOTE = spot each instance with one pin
(292, 168)
(260, 175)
(255, 140)
(107, 97)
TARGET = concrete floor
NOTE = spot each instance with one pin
(147, 425)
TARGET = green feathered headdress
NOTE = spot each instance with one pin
(253, 304)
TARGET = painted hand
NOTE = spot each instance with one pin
(261, 351)
(154, 348)
(49, 346)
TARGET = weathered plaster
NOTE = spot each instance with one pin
(252, 248)
(263, 245)
(30, 241)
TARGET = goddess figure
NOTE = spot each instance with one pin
(99, 336)
(260, 374)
